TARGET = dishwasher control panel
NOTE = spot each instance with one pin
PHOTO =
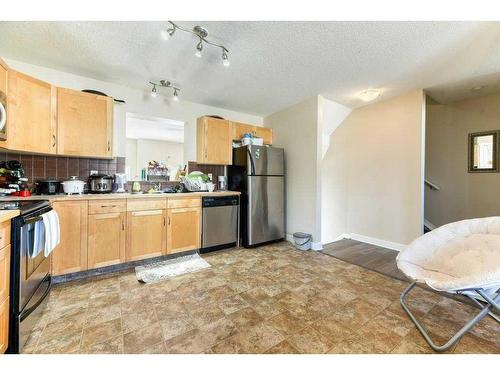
(227, 200)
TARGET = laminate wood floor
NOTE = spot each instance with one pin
(375, 258)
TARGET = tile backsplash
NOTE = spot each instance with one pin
(38, 167)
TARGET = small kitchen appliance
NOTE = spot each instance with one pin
(73, 186)
(100, 184)
(47, 187)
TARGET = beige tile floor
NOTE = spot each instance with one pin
(273, 299)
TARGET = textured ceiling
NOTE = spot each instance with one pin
(273, 64)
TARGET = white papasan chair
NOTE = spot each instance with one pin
(460, 258)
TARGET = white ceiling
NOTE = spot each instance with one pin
(148, 127)
(273, 64)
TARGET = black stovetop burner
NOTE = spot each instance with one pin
(24, 206)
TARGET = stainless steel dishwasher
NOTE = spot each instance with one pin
(220, 222)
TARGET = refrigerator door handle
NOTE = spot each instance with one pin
(252, 162)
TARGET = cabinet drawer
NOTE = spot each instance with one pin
(107, 206)
(4, 233)
(4, 325)
(4, 272)
(146, 204)
(184, 202)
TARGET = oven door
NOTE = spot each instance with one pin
(34, 268)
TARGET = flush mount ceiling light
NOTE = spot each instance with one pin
(477, 88)
(202, 34)
(166, 84)
(369, 95)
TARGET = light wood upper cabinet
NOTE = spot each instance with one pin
(183, 229)
(240, 129)
(106, 239)
(3, 76)
(85, 124)
(4, 325)
(71, 253)
(214, 141)
(146, 234)
(31, 120)
(265, 133)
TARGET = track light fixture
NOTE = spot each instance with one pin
(166, 84)
(202, 34)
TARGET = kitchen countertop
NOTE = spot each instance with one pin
(8, 214)
(61, 197)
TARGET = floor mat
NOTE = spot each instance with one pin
(152, 273)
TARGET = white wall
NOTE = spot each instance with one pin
(296, 130)
(333, 183)
(141, 151)
(331, 115)
(373, 172)
(137, 101)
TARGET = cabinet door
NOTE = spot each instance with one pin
(4, 272)
(214, 141)
(240, 129)
(265, 133)
(146, 234)
(84, 124)
(31, 120)
(183, 229)
(4, 325)
(106, 239)
(71, 253)
(3, 76)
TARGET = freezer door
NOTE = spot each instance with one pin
(266, 161)
(266, 211)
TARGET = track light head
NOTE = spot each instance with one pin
(225, 60)
(176, 96)
(199, 48)
(167, 34)
(154, 94)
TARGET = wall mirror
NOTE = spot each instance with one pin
(155, 148)
(483, 150)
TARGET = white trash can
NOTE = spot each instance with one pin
(302, 240)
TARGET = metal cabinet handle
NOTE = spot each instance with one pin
(123, 225)
(54, 138)
(112, 205)
(109, 146)
(164, 223)
(169, 220)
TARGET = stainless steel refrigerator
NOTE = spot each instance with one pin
(258, 172)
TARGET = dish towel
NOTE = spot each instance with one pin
(38, 234)
(52, 231)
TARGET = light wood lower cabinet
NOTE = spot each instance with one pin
(4, 272)
(71, 253)
(146, 234)
(4, 325)
(106, 239)
(183, 229)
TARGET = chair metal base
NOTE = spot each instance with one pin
(492, 302)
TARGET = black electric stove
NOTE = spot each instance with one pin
(25, 206)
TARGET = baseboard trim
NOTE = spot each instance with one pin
(377, 242)
(371, 240)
